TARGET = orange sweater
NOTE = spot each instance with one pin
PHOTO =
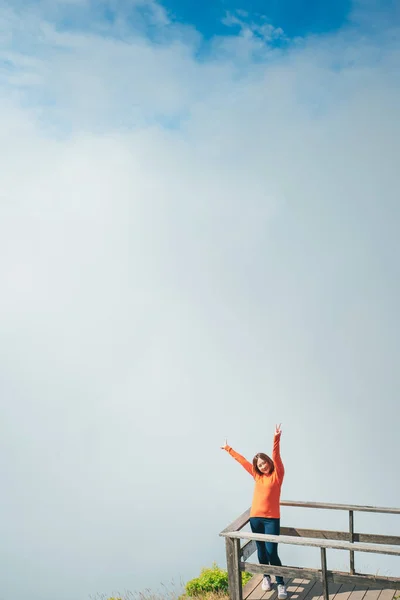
(267, 490)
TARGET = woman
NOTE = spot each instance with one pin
(265, 509)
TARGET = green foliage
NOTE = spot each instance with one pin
(213, 580)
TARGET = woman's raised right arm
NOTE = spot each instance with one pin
(240, 459)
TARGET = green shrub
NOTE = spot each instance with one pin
(212, 579)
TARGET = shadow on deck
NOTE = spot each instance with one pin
(306, 589)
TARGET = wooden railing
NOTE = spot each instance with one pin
(237, 555)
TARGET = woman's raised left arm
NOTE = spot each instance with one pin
(276, 453)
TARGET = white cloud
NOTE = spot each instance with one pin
(167, 285)
(248, 29)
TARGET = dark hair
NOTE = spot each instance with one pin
(266, 459)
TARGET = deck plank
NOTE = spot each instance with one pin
(251, 586)
(296, 587)
(305, 588)
(345, 592)
(314, 592)
(372, 593)
(334, 588)
(388, 594)
(358, 593)
(302, 584)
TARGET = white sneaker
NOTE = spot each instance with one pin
(266, 584)
(282, 593)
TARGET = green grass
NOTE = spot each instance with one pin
(211, 584)
(211, 580)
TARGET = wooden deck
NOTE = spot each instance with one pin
(306, 583)
(305, 589)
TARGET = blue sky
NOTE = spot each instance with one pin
(289, 19)
(295, 17)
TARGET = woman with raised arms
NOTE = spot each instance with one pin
(268, 474)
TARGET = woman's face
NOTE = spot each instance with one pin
(263, 465)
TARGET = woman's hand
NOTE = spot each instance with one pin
(225, 446)
(278, 429)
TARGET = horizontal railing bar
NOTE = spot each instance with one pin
(238, 523)
(329, 506)
(333, 576)
(303, 573)
(244, 518)
(284, 539)
(392, 583)
(365, 538)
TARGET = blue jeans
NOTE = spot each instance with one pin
(267, 551)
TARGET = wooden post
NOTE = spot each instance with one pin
(325, 587)
(233, 566)
(351, 539)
